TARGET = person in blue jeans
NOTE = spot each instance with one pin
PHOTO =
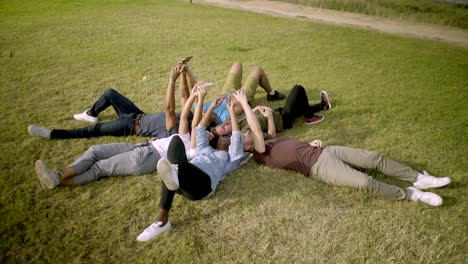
(198, 178)
(131, 120)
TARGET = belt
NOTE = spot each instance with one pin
(136, 124)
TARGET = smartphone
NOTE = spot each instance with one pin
(187, 59)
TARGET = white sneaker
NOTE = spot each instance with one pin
(425, 181)
(425, 197)
(49, 179)
(85, 117)
(152, 231)
(37, 131)
(168, 174)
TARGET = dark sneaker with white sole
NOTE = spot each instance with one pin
(276, 96)
(313, 120)
(326, 105)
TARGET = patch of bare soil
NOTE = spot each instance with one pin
(441, 33)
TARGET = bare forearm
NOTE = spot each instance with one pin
(234, 123)
(184, 90)
(271, 127)
(187, 107)
(190, 78)
(198, 113)
(169, 104)
(206, 120)
(259, 142)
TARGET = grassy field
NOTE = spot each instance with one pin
(404, 97)
(448, 13)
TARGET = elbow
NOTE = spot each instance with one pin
(169, 108)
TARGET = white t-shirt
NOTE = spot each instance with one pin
(162, 144)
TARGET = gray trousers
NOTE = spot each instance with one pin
(335, 166)
(117, 159)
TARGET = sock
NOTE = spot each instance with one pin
(90, 113)
(272, 92)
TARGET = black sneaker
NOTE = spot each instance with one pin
(277, 96)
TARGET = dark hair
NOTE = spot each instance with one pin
(214, 142)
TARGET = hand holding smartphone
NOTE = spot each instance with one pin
(207, 84)
(186, 59)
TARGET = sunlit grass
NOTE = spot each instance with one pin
(404, 97)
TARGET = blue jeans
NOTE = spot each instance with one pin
(121, 104)
(122, 126)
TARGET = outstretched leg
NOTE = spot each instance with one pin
(123, 126)
(330, 168)
(117, 159)
(374, 160)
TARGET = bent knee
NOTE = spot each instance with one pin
(92, 151)
(257, 71)
(297, 88)
(110, 92)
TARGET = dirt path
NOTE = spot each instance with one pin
(441, 33)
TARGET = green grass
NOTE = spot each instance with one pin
(402, 96)
(425, 11)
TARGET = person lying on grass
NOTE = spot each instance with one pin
(297, 104)
(131, 120)
(257, 77)
(197, 179)
(120, 159)
(335, 165)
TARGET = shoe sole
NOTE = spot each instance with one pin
(165, 170)
(442, 184)
(83, 119)
(311, 123)
(328, 99)
(29, 130)
(43, 175)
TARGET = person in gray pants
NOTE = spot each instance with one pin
(336, 165)
(116, 159)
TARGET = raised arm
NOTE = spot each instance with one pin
(268, 113)
(183, 85)
(258, 141)
(188, 72)
(236, 148)
(184, 122)
(232, 114)
(206, 120)
(169, 104)
(199, 89)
